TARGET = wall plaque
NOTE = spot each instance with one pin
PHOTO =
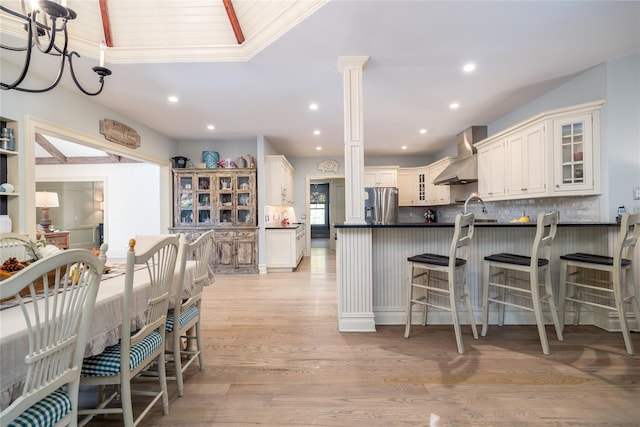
(328, 166)
(119, 133)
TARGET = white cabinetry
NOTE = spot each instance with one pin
(285, 248)
(491, 170)
(442, 194)
(555, 153)
(412, 186)
(416, 188)
(279, 180)
(526, 162)
(380, 176)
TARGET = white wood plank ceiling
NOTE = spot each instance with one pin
(176, 31)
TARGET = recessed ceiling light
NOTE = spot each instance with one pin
(318, 148)
(313, 106)
(404, 147)
(211, 127)
(316, 132)
(173, 99)
(423, 131)
(469, 67)
(454, 106)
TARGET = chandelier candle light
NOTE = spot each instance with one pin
(43, 22)
(46, 200)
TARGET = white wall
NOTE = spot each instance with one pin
(132, 197)
(227, 149)
(80, 115)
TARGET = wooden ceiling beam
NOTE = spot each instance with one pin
(233, 19)
(56, 155)
(106, 26)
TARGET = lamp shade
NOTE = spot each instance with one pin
(46, 199)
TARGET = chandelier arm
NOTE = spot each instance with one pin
(96, 69)
(14, 86)
(25, 68)
(49, 31)
(32, 24)
(14, 13)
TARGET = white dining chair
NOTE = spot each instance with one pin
(184, 335)
(58, 320)
(118, 365)
(426, 289)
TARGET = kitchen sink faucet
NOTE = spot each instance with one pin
(474, 196)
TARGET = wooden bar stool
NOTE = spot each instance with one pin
(519, 292)
(580, 283)
(437, 289)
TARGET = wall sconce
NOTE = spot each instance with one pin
(46, 200)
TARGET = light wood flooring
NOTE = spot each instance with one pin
(274, 357)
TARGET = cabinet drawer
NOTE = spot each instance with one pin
(225, 235)
(245, 234)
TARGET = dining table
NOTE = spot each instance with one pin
(103, 332)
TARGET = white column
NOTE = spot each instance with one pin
(355, 280)
(354, 250)
(351, 68)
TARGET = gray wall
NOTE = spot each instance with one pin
(618, 83)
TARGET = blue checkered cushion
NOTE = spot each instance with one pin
(108, 362)
(185, 316)
(46, 412)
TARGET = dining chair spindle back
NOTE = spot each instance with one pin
(58, 313)
(184, 334)
(118, 365)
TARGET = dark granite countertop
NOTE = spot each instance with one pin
(282, 227)
(478, 225)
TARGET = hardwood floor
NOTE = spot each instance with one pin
(274, 357)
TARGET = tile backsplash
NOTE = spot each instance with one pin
(572, 209)
(275, 214)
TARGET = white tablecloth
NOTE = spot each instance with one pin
(104, 330)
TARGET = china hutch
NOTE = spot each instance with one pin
(223, 200)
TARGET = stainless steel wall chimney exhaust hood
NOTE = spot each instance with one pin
(465, 169)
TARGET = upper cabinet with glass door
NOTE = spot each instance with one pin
(575, 168)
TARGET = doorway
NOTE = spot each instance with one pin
(132, 201)
(81, 210)
(319, 210)
(335, 209)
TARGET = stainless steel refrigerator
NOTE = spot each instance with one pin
(381, 205)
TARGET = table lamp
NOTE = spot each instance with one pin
(46, 200)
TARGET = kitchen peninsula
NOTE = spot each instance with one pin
(371, 262)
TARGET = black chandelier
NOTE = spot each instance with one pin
(43, 24)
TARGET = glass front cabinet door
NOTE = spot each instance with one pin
(225, 208)
(194, 200)
(573, 153)
(214, 199)
(245, 199)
